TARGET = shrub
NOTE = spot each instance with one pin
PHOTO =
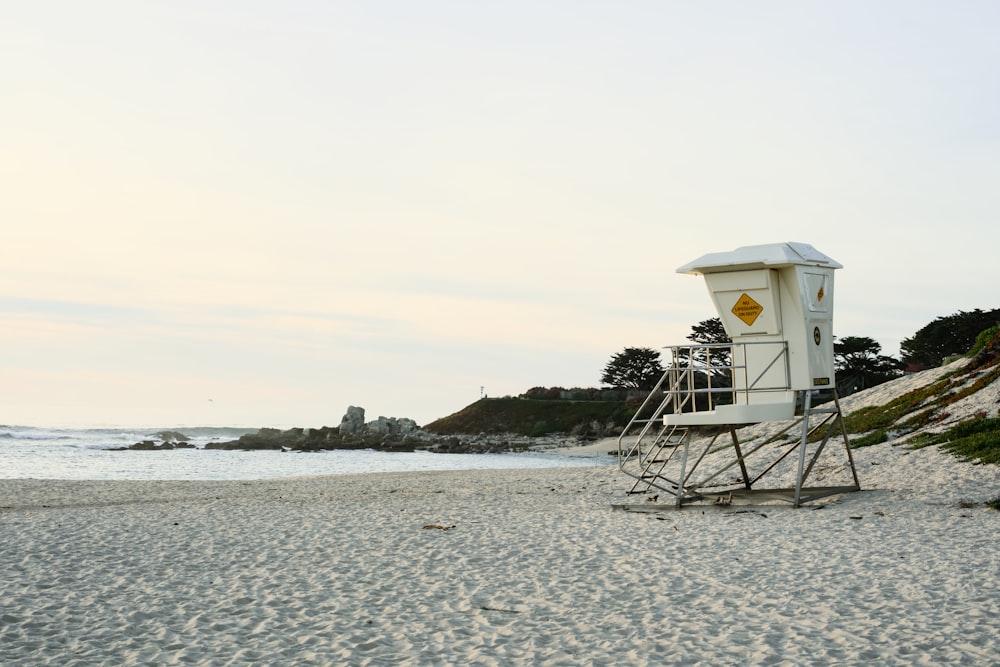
(883, 416)
(984, 339)
(873, 438)
(973, 440)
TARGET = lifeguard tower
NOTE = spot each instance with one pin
(776, 305)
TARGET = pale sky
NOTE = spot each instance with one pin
(259, 213)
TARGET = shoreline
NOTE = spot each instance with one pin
(498, 567)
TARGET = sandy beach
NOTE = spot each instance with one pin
(500, 568)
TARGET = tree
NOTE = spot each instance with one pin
(633, 368)
(859, 363)
(712, 332)
(945, 336)
(708, 332)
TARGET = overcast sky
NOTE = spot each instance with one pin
(258, 213)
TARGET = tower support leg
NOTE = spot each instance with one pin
(806, 409)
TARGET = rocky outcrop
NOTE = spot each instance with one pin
(318, 439)
(353, 420)
(391, 426)
(152, 446)
(172, 436)
(353, 424)
(389, 434)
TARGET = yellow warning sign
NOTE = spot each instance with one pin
(747, 309)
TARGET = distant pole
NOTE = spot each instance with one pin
(482, 391)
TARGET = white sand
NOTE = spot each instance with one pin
(534, 568)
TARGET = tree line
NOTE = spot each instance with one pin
(858, 360)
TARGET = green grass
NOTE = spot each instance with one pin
(920, 407)
(984, 380)
(917, 420)
(877, 417)
(874, 438)
(972, 440)
(977, 439)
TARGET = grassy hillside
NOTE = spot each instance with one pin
(530, 417)
(957, 411)
(960, 402)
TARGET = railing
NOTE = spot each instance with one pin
(724, 373)
(724, 386)
(699, 378)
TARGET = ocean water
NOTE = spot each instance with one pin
(44, 453)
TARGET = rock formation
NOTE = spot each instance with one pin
(383, 434)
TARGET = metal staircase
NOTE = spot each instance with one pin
(674, 443)
(647, 445)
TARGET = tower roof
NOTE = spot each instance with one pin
(767, 256)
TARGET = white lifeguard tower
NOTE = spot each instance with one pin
(776, 304)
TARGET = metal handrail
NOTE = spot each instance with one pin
(687, 362)
(679, 391)
(674, 458)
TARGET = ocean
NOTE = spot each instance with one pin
(28, 452)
